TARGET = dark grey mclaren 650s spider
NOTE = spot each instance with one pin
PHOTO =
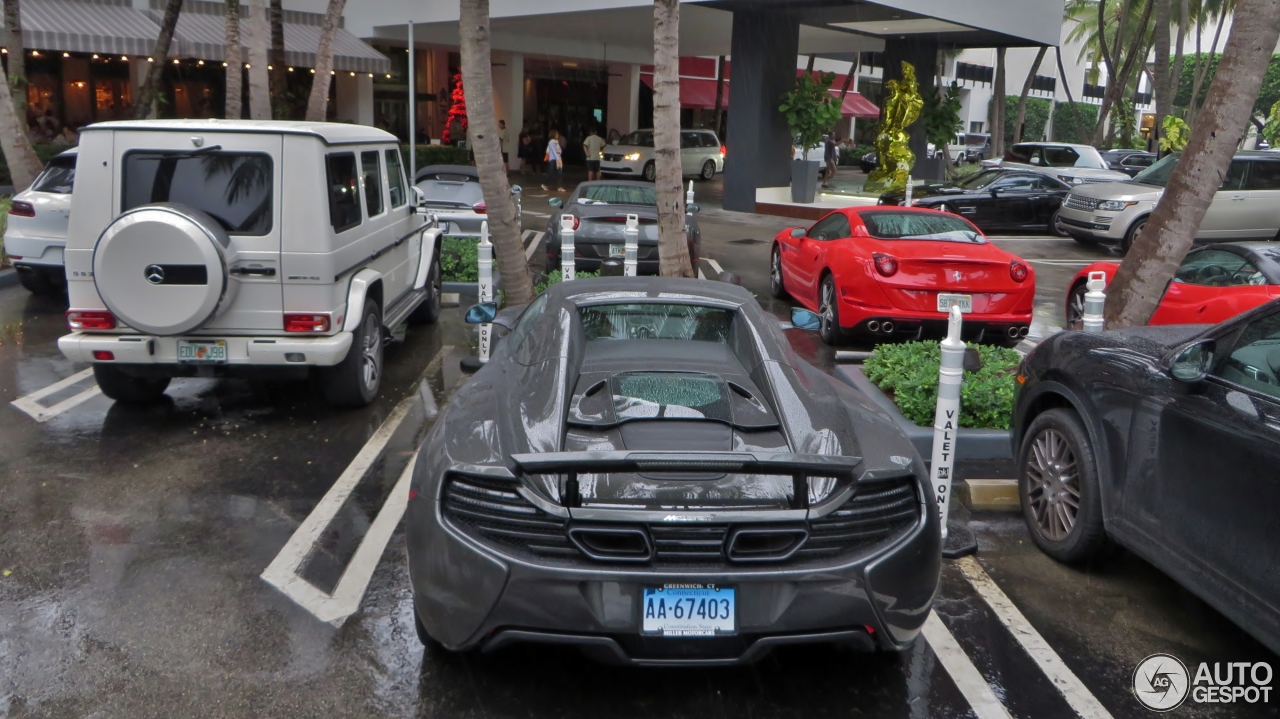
(646, 470)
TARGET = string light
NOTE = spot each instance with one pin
(224, 64)
(270, 68)
(388, 76)
(95, 55)
(247, 66)
(313, 71)
(290, 69)
(151, 59)
(175, 61)
(5, 51)
(66, 54)
(353, 74)
(200, 62)
(35, 53)
(124, 58)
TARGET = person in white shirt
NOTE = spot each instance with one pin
(554, 160)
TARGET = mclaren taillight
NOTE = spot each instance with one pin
(885, 265)
(298, 322)
(90, 320)
(1018, 271)
(18, 208)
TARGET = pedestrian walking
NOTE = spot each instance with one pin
(829, 157)
(523, 151)
(592, 147)
(554, 160)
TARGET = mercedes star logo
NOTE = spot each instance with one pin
(154, 274)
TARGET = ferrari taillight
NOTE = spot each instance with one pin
(1018, 271)
(885, 265)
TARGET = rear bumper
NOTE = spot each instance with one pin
(241, 351)
(34, 251)
(868, 321)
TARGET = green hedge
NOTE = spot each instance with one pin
(554, 278)
(1064, 122)
(1033, 123)
(4, 222)
(909, 373)
(458, 257)
(437, 155)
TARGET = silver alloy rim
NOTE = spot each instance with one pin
(708, 170)
(650, 172)
(826, 311)
(775, 270)
(1077, 307)
(1057, 224)
(371, 353)
(1053, 490)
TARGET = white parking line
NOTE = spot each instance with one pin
(535, 214)
(282, 573)
(533, 244)
(1072, 689)
(966, 676)
(40, 413)
(701, 276)
(714, 265)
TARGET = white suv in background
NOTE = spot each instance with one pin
(1073, 164)
(208, 248)
(37, 226)
(701, 155)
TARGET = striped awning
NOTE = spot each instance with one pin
(113, 28)
(203, 36)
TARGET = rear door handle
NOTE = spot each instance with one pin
(259, 271)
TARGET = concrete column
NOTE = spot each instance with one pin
(623, 110)
(764, 48)
(922, 52)
(508, 96)
(354, 97)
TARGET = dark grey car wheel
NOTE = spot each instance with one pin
(1058, 487)
(1055, 224)
(776, 288)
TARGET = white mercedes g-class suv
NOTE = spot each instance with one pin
(262, 249)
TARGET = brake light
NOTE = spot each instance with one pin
(103, 355)
(90, 320)
(19, 208)
(723, 150)
(480, 208)
(306, 323)
(885, 265)
(1018, 271)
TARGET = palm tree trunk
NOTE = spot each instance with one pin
(1163, 81)
(1156, 254)
(1193, 106)
(258, 32)
(995, 114)
(279, 74)
(1066, 87)
(1117, 81)
(317, 103)
(160, 53)
(1179, 55)
(23, 163)
(719, 93)
(235, 62)
(17, 55)
(673, 248)
(1026, 90)
(477, 83)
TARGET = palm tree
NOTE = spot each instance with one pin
(1162, 84)
(1160, 248)
(482, 128)
(1026, 90)
(258, 28)
(1219, 9)
(995, 114)
(234, 61)
(17, 54)
(24, 165)
(147, 93)
(317, 103)
(673, 249)
(279, 78)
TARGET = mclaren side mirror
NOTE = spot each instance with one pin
(798, 232)
(1192, 362)
(803, 319)
(482, 313)
(556, 202)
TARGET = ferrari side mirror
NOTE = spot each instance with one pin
(798, 232)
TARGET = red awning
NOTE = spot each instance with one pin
(696, 93)
(855, 105)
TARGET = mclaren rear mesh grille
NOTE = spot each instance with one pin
(493, 512)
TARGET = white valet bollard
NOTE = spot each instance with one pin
(688, 200)
(907, 202)
(946, 426)
(1094, 302)
(484, 263)
(631, 250)
(567, 271)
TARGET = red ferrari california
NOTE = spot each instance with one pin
(1214, 283)
(893, 273)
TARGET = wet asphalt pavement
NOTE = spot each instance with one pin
(132, 543)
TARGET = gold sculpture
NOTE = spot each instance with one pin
(901, 108)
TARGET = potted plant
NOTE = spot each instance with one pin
(811, 111)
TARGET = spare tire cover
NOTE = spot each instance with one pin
(162, 269)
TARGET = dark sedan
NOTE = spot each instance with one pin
(995, 200)
(600, 212)
(1165, 440)
(1130, 162)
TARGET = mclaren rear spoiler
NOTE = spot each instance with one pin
(799, 466)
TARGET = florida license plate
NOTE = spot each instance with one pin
(202, 351)
(689, 610)
(617, 250)
(964, 302)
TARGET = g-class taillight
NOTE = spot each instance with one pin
(299, 322)
(90, 320)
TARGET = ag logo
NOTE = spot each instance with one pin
(1161, 682)
(154, 274)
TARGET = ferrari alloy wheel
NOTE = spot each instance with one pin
(1075, 307)
(776, 287)
(708, 170)
(828, 312)
(1058, 486)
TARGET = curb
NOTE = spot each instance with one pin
(991, 495)
(8, 277)
(970, 443)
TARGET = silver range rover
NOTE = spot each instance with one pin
(1246, 207)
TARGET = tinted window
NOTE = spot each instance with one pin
(344, 191)
(893, 225)
(1255, 361)
(645, 321)
(1158, 174)
(372, 182)
(670, 395)
(1236, 174)
(1218, 268)
(831, 227)
(1264, 175)
(395, 179)
(981, 180)
(1139, 160)
(639, 138)
(58, 178)
(689, 140)
(232, 187)
(528, 319)
(1017, 183)
(709, 140)
(618, 195)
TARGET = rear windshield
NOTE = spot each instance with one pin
(448, 177)
(618, 195)
(652, 321)
(920, 226)
(670, 395)
(232, 187)
(639, 138)
(58, 177)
